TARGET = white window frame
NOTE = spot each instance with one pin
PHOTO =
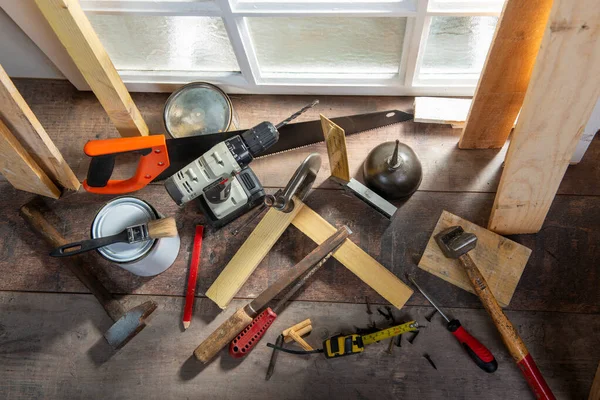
(251, 80)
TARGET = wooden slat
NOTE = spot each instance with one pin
(500, 260)
(595, 390)
(250, 254)
(442, 110)
(563, 91)
(503, 83)
(77, 35)
(335, 140)
(354, 258)
(20, 169)
(23, 123)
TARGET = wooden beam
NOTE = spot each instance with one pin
(22, 122)
(595, 390)
(506, 74)
(500, 260)
(252, 252)
(564, 87)
(75, 32)
(20, 169)
(335, 139)
(354, 258)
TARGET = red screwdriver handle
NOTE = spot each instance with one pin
(249, 337)
(477, 351)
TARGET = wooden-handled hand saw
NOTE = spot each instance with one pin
(161, 158)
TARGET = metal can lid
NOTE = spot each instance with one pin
(197, 108)
(114, 218)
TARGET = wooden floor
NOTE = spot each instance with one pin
(51, 343)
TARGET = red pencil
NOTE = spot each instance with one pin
(191, 287)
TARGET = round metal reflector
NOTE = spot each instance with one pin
(197, 108)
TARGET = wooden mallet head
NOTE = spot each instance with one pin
(455, 242)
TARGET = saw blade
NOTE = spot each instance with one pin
(183, 151)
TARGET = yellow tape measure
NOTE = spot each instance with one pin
(344, 345)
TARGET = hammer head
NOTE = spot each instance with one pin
(129, 325)
(455, 242)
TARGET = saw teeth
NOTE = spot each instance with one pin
(313, 144)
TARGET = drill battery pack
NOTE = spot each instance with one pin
(254, 192)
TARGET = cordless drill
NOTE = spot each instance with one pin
(221, 179)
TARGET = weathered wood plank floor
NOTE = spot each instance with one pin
(51, 342)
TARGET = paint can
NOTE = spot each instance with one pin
(196, 109)
(145, 258)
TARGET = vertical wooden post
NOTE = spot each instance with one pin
(20, 169)
(75, 32)
(564, 87)
(501, 88)
(31, 134)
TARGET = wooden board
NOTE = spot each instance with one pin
(22, 122)
(335, 140)
(500, 260)
(506, 73)
(75, 32)
(250, 254)
(52, 347)
(564, 88)
(595, 390)
(17, 166)
(442, 110)
(355, 259)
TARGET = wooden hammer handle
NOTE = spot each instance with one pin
(222, 335)
(43, 228)
(509, 334)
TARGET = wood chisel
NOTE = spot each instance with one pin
(477, 351)
(229, 329)
(251, 335)
(345, 345)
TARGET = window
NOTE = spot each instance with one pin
(388, 47)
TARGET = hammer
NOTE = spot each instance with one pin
(456, 243)
(127, 323)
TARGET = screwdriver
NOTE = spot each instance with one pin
(249, 337)
(477, 351)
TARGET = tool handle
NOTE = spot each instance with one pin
(83, 246)
(477, 351)
(193, 275)
(154, 160)
(251, 335)
(509, 334)
(79, 268)
(222, 335)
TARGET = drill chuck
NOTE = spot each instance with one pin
(260, 138)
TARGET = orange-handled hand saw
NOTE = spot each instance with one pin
(154, 160)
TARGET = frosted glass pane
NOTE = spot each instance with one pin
(458, 44)
(328, 44)
(159, 43)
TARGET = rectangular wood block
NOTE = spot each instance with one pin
(500, 260)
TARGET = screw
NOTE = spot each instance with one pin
(413, 337)
(368, 305)
(430, 360)
(430, 316)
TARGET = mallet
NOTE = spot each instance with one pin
(127, 323)
(456, 243)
